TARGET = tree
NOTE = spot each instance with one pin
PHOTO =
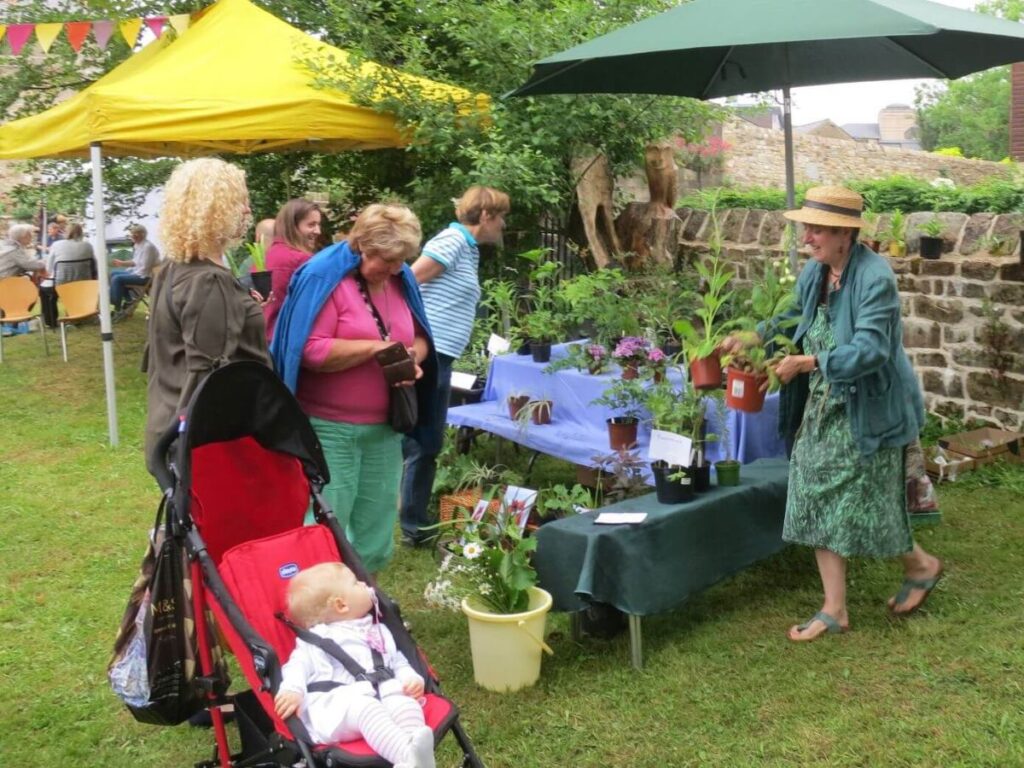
(972, 113)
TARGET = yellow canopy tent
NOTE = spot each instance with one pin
(236, 81)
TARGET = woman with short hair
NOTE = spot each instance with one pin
(17, 256)
(296, 235)
(201, 317)
(344, 305)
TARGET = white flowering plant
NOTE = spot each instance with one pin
(489, 564)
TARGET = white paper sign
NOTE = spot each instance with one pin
(519, 502)
(462, 380)
(670, 448)
(497, 345)
(617, 518)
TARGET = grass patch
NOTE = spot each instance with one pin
(722, 686)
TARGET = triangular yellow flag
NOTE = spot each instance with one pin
(47, 33)
(130, 31)
(180, 22)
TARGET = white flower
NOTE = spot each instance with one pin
(472, 551)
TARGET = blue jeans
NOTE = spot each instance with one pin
(119, 282)
(420, 464)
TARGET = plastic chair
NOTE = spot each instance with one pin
(17, 297)
(81, 300)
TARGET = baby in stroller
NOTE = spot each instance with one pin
(382, 706)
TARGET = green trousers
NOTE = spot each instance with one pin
(365, 461)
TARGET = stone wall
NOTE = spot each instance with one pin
(757, 158)
(944, 303)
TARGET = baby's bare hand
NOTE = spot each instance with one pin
(413, 688)
(286, 704)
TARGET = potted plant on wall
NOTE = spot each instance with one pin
(896, 234)
(869, 232)
(699, 345)
(489, 576)
(625, 397)
(931, 238)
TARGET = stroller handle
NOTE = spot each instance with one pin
(158, 458)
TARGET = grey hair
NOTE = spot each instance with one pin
(17, 231)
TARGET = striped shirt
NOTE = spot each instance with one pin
(451, 297)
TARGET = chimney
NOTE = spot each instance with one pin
(1017, 111)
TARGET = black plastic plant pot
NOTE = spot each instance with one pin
(727, 472)
(541, 351)
(670, 491)
(524, 348)
(261, 281)
(457, 397)
(931, 247)
(671, 348)
(701, 478)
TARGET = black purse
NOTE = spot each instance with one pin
(403, 408)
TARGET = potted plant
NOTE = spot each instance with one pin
(545, 321)
(680, 412)
(488, 574)
(657, 363)
(771, 301)
(896, 234)
(699, 345)
(631, 353)
(517, 400)
(261, 277)
(727, 471)
(597, 301)
(476, 362)
(660, 295)
(500, 301)
(460, 481)
(536, 411)
(869, 232)
(619, 476)
(931, 238)
(542, 327)
(625, 397)
(560, 501)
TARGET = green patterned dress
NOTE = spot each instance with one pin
(839, 500)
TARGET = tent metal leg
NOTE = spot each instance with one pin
(100, 249)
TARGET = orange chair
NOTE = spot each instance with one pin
(81, 300)
(17, 296)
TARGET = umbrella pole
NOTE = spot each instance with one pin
(787, 128)
(100, 249)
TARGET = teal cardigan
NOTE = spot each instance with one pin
(868, 368)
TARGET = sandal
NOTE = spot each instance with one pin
(908, 586)
(832, 626)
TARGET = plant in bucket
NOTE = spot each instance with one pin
(489, 576)
(625, 397)
(750, 371)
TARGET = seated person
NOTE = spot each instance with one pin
(145, 257)
(72, 249)
(328, 600)
(17, 253)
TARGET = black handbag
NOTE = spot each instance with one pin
(403, 407)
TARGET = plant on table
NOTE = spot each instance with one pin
(597, 300)
(656, 361)
(561, 501)
(625, 397)
(502, 309)
(545, 322)
(490, 564)
(699, 345)
(581, 356)
(631, 354)
(536, 411)
(624, 468)
(660, 295)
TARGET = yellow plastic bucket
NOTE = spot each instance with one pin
(507, 647)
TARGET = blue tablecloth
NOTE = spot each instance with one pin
(578, 431)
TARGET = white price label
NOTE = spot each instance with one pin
(671, 448)
(462, 380)
(737, 388)
(497, 345)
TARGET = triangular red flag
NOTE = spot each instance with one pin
(156, 25)
(77, 31)
(18, 35)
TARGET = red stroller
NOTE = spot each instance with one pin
(238, 472)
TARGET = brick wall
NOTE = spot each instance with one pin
(944, 302)
(757, 158)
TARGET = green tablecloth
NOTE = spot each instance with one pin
(678, 550)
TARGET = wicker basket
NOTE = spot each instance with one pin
(449, 503)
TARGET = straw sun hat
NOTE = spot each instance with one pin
(830, 207)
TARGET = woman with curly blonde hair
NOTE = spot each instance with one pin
(201, 317)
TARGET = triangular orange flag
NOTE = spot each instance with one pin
(130, 31)
(77, 31)
(47, 33)
(180, 22)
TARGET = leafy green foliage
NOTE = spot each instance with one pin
(561, 500)
(624, 396)
(677, 410)
(972, 113)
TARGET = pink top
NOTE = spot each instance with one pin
(282, 261)
(357, 395)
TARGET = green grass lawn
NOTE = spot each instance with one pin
(722, 686)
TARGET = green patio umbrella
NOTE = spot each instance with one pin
(710, 48)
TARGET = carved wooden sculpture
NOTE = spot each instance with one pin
(650, 231)
(594, 187)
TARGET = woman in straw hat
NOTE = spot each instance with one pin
(850, 405)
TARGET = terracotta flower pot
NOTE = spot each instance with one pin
(516, 404)
(622, 432)
(542, 413)
(630, 371)
(743, 391)
(706, 373)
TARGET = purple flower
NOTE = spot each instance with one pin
(596, 351)
(655, 355)
(631, 348)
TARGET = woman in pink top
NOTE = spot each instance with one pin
(296, 232)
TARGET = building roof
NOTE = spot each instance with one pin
(863, 131)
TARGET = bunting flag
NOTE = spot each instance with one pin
(3, 28)
(18, 35)
(47, 33)
(180, 22)
(130, 30)
(156, 25)
(77, 31)
(101, 32)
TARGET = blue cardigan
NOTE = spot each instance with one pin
(310, 287)
(868, 368)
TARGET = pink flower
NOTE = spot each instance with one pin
(655, 355)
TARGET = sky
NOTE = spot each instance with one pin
(857, 102)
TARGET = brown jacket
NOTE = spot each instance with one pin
(210, 320)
